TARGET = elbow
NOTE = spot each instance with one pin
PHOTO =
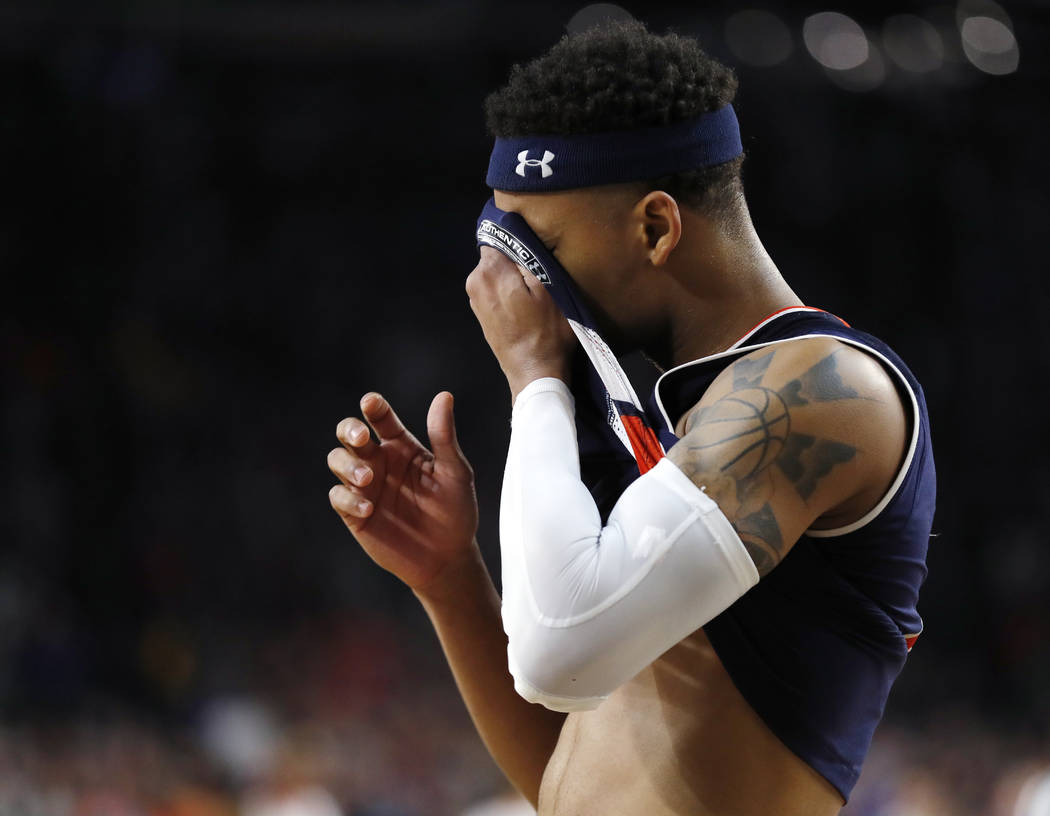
(552, 676)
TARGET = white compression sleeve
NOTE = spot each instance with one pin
(587, 607)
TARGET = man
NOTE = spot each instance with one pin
(724, 637)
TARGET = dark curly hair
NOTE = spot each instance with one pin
(620, 76)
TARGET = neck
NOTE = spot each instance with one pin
(724, 283)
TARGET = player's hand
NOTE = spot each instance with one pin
(413, 510)
(523, 326)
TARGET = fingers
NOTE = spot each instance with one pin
(351, 506)
(441, 428)
(534, 284)
(381, 417)
(353, 433)
(353, 465)
(351, 470)
(496, 272)
(495, 288)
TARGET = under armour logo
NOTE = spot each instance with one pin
(544, 164)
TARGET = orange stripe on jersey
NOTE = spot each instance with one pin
(647, 449)
(909, 640)
(770, 316)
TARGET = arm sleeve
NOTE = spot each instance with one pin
(586, 607)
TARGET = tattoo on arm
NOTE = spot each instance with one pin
(748, 373)
(761, 536)
(821, 383)
(732, 445)
(806, 460)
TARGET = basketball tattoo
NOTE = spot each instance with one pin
(733, 445)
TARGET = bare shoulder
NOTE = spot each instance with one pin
(807, 433)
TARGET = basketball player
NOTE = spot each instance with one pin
(721, 640)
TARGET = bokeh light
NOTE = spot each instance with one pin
(835, 41)
(867, 76)
(981, 8)
(912, 43)
(990, 45)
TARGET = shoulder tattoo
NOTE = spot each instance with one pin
(733, 446)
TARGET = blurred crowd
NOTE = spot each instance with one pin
(363, 720)
(329, 719)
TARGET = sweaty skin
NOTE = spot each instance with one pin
(678, 738)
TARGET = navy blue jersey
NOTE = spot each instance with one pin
(815, 646)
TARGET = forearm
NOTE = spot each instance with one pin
(465, 612)
(587, 606)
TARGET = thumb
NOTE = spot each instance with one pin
(441, 429)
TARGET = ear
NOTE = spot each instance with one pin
(662, 223)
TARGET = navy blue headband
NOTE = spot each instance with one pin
(535, 164)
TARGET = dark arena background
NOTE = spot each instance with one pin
(226, 221)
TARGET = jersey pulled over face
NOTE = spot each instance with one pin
(598, 237)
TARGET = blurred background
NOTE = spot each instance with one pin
(225, 221)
